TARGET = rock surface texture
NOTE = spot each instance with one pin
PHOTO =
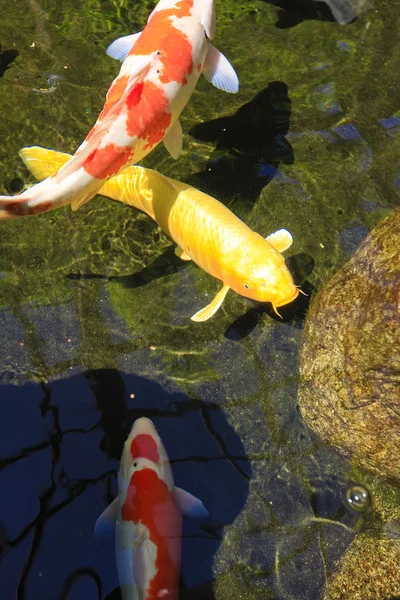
(350, 358)
(368, 571)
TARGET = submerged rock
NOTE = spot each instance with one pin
(350, 359)
(368, 571)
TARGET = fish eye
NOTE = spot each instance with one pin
(247, 286)
(135, 464)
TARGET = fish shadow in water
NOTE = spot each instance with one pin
(301, 266)
(165, 264)
(6, 58)
(250, 145)
(294, 12)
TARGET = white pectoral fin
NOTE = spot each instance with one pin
(209, 310)
(121, 47)
(218, 70)
(189, 504)
(173, 140)
(105, 524)
(281, 240)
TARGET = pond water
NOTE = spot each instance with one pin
(95, 307)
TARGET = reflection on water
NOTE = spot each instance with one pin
(95, 306)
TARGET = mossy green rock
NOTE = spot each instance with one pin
(350, 358)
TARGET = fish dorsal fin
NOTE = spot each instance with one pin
(218, 70)
(144, 552)
(189, 504)
(121, 47)
(105, 524)
(101, 128)
(173, 140)
(281, 240)
(209, 310)
(43, 162)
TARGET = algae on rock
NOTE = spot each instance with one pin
(368, 571)
(350, 358)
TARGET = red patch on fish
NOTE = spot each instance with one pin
(148, 501)
(20, 208)
(114, 94)
(107, 161)
(174, 47)
(147, 117)
(134, 96)
(16, 207)
(40, 208)
(144, 446)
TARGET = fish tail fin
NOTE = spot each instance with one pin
(43, 162)
(42, 197)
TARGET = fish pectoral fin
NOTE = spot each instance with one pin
(121, 47)
(281, 240)
(209, 310)
(43, 162)
(105, 524)
(182, 254)
(218, 70)
(173, 140)
(189, 504)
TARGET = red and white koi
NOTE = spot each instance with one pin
(160, 69)
(147, 515)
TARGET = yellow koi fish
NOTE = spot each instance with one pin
(204, 230)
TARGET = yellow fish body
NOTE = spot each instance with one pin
(204, 230)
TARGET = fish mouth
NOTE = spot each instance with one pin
(288, 300)
(141, 426)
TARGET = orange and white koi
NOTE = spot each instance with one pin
(205, 231)
(147, 518)
(160, 69)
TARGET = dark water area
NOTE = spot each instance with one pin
(95, 307)
(60, 469)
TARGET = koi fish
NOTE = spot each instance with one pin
(160, 69)
(147, 517)
(204, 230)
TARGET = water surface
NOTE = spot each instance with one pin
(95, 307)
